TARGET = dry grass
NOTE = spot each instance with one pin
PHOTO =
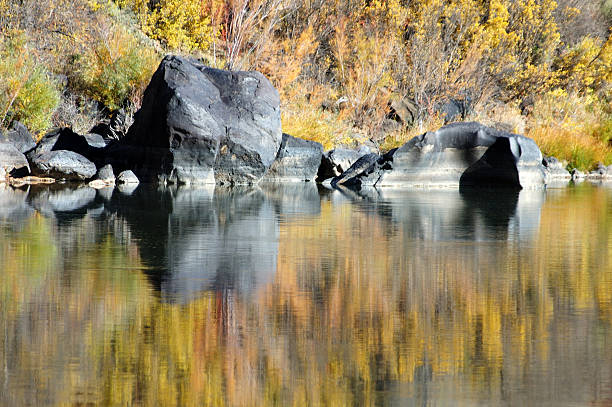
(303, 116)
(577, 149)
(400, 137)
(576, 129)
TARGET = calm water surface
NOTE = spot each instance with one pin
(290, 295)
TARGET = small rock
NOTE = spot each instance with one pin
(556, 173)
(578, 175)
(127, 177)
(106, 174)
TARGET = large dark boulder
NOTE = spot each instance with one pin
(12, 161)
(460, 154)
(61, 164)
(19, 136)
(201, 125)
(297, 160)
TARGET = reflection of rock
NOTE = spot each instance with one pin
(62, 199)
(470, 214)
(13, 204)
(127, 189)
(194, 240)
(526, 222)
(293, 199)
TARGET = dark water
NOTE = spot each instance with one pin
(287, 295)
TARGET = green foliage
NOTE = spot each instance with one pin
(27, 93)
(115, 70)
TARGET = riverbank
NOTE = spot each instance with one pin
(347, 74)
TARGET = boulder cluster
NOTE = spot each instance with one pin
(199, 125)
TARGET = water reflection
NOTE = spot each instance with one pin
(295, 295)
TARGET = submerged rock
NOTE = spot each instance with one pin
(297, 160)
(201, 125)
(460, 154)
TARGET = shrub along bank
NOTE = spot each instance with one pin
(347, 71)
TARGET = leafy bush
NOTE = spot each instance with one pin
(573, 128)
(27, 92)
(114, 70)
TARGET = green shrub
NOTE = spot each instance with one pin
(27, 93)
(115, 70)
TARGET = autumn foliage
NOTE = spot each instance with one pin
(346, 61)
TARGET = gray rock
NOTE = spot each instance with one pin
(460, 154)
(61, 164)
(599, 173)
(351, 174)
(19, 136)
(454, 109)
(297, 160)
(90, 146)
(335, 162)
(106, 174)
(578, 175)
(95, 140)
(199, 124)
(12, 161)
(404, 111)
(127, 177)
(556, 173)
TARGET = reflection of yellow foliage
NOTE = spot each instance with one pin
(355, 302)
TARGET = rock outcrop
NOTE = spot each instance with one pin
(19, 136)
(12, 162)
(297, 160)
(460, 154)
(201, 125)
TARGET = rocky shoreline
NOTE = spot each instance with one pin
(199, 125)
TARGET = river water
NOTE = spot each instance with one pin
(294, 295)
